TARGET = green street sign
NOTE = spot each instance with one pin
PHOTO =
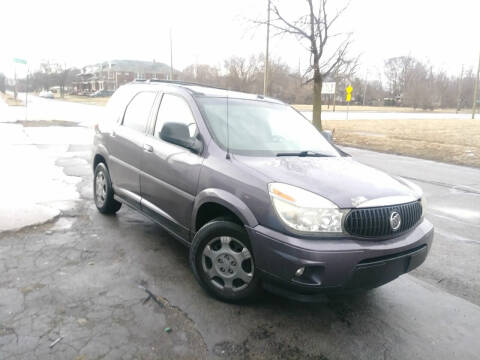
(20, 61)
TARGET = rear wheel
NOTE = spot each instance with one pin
(222, 261)
(103, 191)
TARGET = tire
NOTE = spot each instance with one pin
(222, 261)
(103, 191)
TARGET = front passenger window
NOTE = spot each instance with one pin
(138, 111)
(174, 109)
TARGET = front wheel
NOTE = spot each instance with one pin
(103, 191)
(222, 261)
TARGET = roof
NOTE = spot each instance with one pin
(206, 90)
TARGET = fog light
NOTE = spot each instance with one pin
(300, 271)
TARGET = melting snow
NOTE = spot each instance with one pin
(33, 189)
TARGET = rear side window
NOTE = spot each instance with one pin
(116, 105)
(138, 111)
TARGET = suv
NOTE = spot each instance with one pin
(259, 196)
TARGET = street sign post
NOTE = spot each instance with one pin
(22, 62)
(329, 88)
(348, 98)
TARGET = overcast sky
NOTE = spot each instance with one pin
(443, 32)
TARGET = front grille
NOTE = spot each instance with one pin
(375, 221)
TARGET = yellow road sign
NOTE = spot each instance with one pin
(349, 90)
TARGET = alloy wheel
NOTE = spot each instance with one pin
(228, 264)
(100, 188)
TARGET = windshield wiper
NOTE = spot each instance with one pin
(304, 154)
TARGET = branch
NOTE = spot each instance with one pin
(306, 82)
(340, 57)
(288, 24)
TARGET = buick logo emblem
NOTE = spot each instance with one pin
(395, 220)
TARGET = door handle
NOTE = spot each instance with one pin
(148, 148)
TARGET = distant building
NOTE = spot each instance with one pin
(112, 74)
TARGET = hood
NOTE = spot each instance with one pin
(342, 180)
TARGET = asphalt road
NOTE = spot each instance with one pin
(384, 115)
(87, 280)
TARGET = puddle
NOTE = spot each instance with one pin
(63, 223)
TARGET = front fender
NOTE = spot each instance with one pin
(229, 200)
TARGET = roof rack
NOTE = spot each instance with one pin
(178, 82)
(189, 83)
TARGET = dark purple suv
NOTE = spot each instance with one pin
(257, 193)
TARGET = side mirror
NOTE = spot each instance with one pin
(328, 135)
(179, 134)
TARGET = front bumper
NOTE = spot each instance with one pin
(335, 264)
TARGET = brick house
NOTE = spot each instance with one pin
(112, 74)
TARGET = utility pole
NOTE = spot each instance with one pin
(365, 88)
(475, 91)
(335, 92)
(171, 56)
(265, 74)
(15, 85)
(26, 99)
(459, 91)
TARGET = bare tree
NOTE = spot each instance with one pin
(2, 83)
(399, 72)
(203, 74)
(241, 74)
(314, 30)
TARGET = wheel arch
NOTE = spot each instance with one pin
(221, 198)
(100, 155)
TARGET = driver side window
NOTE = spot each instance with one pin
(174, 109)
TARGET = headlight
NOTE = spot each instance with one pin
(417, 191)
(423, 202)
(304, 211)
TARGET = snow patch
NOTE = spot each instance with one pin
(33, 189)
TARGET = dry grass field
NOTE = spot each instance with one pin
(84, 99)
(449, 140)
(10, 100)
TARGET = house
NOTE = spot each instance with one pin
(110, 75)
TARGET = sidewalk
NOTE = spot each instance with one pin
(6, 115)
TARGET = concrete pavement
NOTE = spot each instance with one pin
(83, 278)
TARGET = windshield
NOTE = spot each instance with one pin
(260, 128)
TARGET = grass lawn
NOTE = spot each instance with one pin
(10, 100)
(448, 140)
(375, 108)
(84, 99)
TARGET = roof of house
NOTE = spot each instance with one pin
(136, 66)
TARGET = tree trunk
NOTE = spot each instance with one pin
(317, 101)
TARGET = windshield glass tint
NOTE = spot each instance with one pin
(261, 128)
